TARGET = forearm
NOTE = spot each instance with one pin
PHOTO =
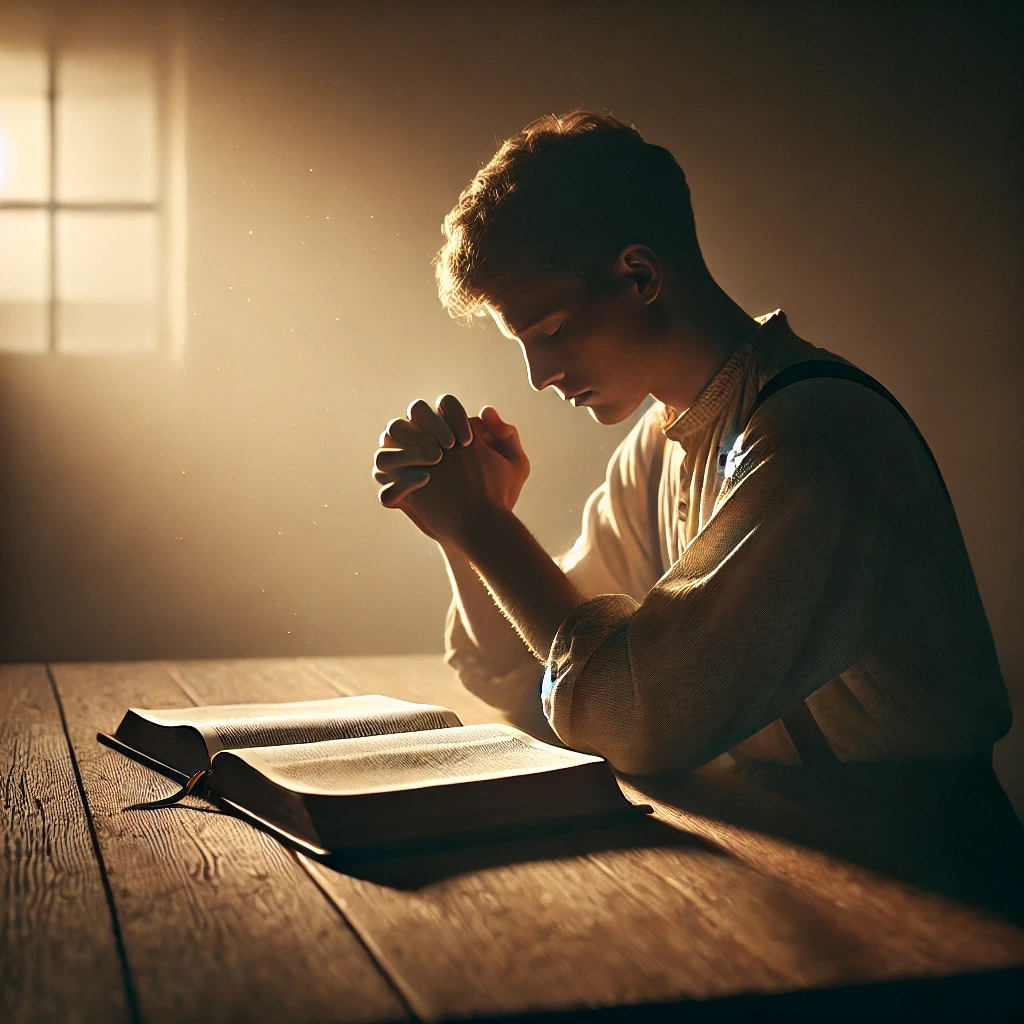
(486, 624)
(532, 591)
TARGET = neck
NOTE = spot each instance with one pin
(701, 336)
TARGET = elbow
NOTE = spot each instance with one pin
(637, 758)
(630, 747)
(655, 745)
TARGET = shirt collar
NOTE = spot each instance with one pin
(708, 404)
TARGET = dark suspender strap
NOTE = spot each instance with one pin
(811, 744)
(804, 731)
(813, 368)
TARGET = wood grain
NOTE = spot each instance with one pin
(685, 908)
(58, 954)
(512, 927)
(818, 920)
(417, 677)
(835, 866)
(219, 921)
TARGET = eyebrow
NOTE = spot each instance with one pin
(536, 323)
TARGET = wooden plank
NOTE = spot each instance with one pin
(512, 927)
(418, 677)
(509, 928)
(532, 927)
(825, 922)
(831, 864)
(58, 949)
(219, 921)
(242, 680)
(608, 924)
(619, 917)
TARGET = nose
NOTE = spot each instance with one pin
(540, 368)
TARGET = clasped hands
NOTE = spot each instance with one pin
(449, 472)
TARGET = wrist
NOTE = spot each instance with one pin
(484, 530)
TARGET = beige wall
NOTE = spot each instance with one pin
(861, 170)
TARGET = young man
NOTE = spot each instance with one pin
(727, 571)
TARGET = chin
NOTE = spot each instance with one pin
(610, 413)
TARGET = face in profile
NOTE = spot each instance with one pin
(588, 343)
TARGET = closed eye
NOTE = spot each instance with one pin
(556, 332)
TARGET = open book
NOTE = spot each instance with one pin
(363, 773)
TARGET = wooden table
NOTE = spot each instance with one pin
(733, 904)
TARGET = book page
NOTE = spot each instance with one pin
(409, 760)
(228, 726)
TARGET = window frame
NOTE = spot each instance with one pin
(168, 205)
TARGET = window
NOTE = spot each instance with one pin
(91, 200)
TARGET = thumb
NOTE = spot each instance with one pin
(506, 436)
(501, 430)
(482, 431)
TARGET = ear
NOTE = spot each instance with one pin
(639, 267)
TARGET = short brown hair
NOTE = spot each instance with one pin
(563, 196)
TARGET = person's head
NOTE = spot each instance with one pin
(571, 230)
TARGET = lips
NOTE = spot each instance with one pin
(580, 398)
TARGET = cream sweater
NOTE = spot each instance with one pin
(822, 562)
